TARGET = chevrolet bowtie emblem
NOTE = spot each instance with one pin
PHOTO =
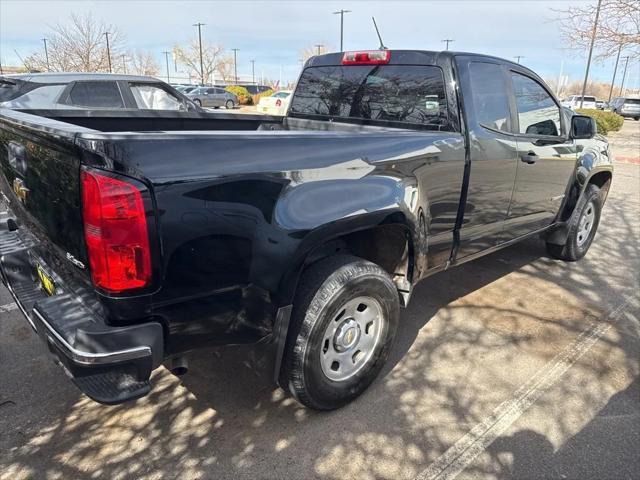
(19, 189)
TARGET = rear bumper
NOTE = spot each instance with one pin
(109, 364)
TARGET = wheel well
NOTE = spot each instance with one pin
(388, 246)
(601, 180)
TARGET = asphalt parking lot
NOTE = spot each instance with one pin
(514, 366)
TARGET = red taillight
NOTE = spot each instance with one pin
(115, 230)
(369, 57)
(278, 103)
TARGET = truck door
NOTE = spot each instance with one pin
(546, 157)
(492, 153)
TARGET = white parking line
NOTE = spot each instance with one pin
(464, 451)
(8, 307)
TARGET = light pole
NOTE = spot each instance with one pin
(200, 25)
(447, 41)
(518, 57)
(106, 35)
(46, 54)
(166, 59)
(253, 71)
(341, 13)
(235, 63)
(593, 38)
(615, 70)
(124, 63)
(624, 75)
(318, 46)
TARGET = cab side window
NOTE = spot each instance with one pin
(538, 113)
(490, 99)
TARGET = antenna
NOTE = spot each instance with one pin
(381, 47)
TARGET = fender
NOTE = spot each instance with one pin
(594, 165)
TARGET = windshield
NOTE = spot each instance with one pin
(383, 94)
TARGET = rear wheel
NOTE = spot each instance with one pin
(229, 104)
(343, 323)
(582, 227)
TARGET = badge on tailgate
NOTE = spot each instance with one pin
(46, 281)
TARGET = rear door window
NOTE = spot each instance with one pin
(41, 97)
(490, 98)
(96, 95)
(376, 94)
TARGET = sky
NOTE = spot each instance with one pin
(274, 33)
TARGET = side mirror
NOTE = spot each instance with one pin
(583, 127)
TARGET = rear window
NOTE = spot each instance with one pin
(96, 94)
(632, 101)
(377, 94)
(40, 97)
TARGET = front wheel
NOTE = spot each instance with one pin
(343, 324)
(582, 227)
(197, 102)
(229, 105)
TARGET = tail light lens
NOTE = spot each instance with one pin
(115, 231)
(278, 103)
(368, 57)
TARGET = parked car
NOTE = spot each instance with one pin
(602, 105)
(275, 104)
(130, 244)
(189, 89)
(89, 91)
(627, 107)
(213, 97)
(573, 102)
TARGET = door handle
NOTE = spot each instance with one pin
(529, 158)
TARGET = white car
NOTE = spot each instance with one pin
(573, 102)
(275, 104)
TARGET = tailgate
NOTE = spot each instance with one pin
(39, 181)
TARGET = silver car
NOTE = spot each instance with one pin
(213, 97)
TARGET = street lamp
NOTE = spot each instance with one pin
(341, 13)
(46, 54)
(200, 25)
(235, 63)
(593, 38)
(106, 35)
(124, 63)
(447, 41)
(166, 59)
(624, 75)
(318, 46)
(253, 71)
(518, 57)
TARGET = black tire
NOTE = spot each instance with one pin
(197, 102)
(323, 290)
(229, 104)
(577, 244)
(636, 118)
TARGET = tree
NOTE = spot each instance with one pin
(78, 46)
(143, 63)
(213, 60)
(618, 25)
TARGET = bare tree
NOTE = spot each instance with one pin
(143, 63)
(619, 25)
(213, 59)
(78, 46)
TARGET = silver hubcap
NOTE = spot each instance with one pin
(351, 338)
(586, 223)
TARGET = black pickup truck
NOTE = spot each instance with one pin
(131, 238)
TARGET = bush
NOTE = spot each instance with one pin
(256, 98)
(606, 121)
(244, 97)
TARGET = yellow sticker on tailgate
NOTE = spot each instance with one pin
(46, 281)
